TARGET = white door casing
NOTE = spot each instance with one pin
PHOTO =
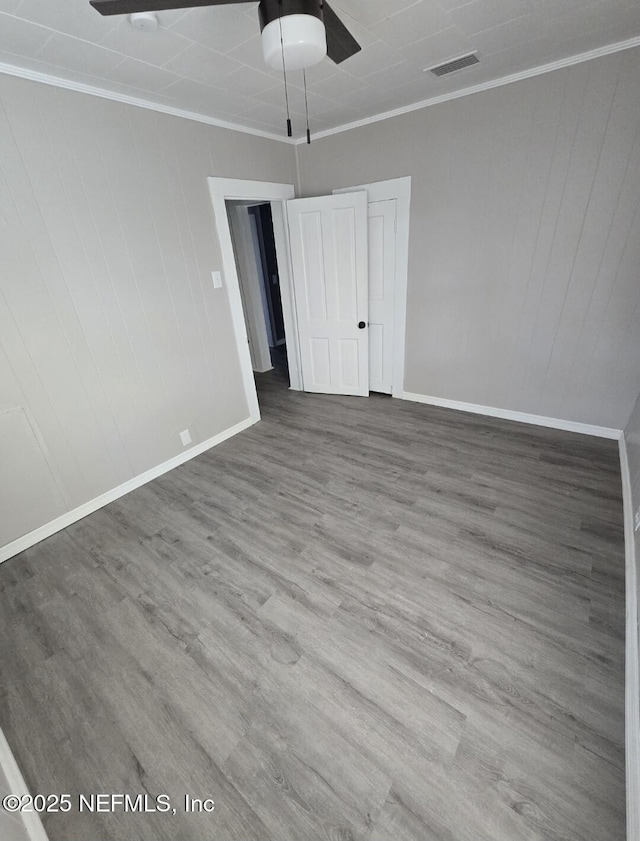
(329, 258)
(382, 270)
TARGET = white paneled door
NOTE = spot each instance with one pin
(329, 256)
(382, 271)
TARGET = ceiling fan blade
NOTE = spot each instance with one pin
(130, 7)
(340, 42)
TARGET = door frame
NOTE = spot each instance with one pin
(399, 189)
(221, 190)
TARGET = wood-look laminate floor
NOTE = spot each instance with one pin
(360, 619)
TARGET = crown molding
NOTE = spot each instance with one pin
(483, 86)
(149, 105)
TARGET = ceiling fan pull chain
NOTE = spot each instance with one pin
(306, 104)
(284, 73)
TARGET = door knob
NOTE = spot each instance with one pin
(361, 325)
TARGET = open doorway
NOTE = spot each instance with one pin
(325, 334)
(225, 190)
(254, 246)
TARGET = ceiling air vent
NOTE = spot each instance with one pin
(456, 64)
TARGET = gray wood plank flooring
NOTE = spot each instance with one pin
(360, 619)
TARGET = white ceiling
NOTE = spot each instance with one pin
(208, 60)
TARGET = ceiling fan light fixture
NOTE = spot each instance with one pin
(303, 38)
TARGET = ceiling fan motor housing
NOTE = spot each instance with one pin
(294, 27)
(270, 10)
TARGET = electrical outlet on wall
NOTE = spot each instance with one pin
(185, 437)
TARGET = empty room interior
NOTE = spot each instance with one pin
(319, 420)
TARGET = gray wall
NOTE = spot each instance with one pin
(112, 339)
(524, 287)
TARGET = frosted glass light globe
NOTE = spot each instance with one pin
(304, 38)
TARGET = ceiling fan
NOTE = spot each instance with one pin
(300, 31)
(296, 34)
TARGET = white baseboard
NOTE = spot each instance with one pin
(30, 820)
(522, 417)
(28, 540)
(632, 655)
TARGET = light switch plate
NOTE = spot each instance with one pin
(217, 280)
